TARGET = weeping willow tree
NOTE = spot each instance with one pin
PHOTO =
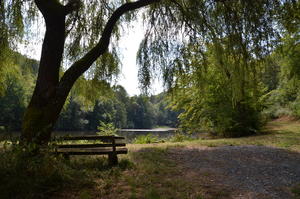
(214, 69)
(80, 32)
(3, 46)
(219, 93)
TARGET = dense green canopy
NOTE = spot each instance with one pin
(248, 29)
(251, 27)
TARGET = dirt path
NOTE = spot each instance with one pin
(240, 172)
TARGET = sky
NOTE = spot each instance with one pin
(129, 44)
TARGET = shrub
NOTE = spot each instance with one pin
(107, 129)
(295, 107)
(180, 137)
(2, 129)
(145, 139)
(25, 175)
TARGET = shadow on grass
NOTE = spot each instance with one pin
(44, 176)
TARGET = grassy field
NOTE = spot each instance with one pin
(146, 172)
(281, 134)
(151, 175)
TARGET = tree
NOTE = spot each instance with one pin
(89, 37)
(220, 98)
(18, 69)
(103, 111)
(140, 113)
(72, 118)
(12, 104)
(284, 99)
(222, 93)
(51, 91)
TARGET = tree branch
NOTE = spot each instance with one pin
(83, 64)
(71, 6)
(49, 8)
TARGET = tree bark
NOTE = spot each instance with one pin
(43, 111)
(51, 93)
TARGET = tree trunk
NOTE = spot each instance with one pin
(38, 122)
(44, 107)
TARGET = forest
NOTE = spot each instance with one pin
(231, 78)
(82, 112)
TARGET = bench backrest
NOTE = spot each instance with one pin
(90, 137)
(109, 141)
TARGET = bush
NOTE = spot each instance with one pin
(295, 107)
(24, 175)
(179, 137)
(107, 129)
(146, 139)
(2, 129)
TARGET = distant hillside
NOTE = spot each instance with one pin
(25, 63)
(19, 80)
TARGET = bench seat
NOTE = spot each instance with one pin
(91, 151)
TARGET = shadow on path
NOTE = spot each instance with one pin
(245, 171)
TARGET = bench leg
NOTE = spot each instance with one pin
(66, 157)
(112, 159)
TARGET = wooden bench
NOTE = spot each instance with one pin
(108, 145)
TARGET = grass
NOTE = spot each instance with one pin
(280, 134)
(24, 175)
(153, 177)
(145, 173)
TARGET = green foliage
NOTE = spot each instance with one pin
(284, 99)
(248, 27)
(16, 94)
(180, 137)
(146, 139)
(141, 112)
(215, 67)
(2, 129)
(116, 108)
(72, 117)
(219, 91)
(107, 111)
(106, 129)
(27, 174)
(23, 175)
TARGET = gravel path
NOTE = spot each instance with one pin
(247, 172)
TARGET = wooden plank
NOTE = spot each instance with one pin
(88, 145)
(96, 151)
(89, 137)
